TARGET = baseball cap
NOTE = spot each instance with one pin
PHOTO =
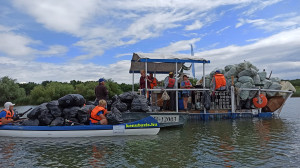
(218, 71)
(8, 104)
(102, 80)
(171, 73)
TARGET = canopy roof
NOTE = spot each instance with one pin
(161, 63)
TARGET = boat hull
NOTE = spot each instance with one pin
(165, 119)
(78, 133)
(145, 126)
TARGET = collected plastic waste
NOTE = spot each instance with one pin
(70, 110)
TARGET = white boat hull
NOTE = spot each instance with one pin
(78, 133)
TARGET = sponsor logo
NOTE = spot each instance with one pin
(141, 125)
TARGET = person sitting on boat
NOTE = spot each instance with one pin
(7, 115)
(218, 82)
(169, 83)
(101, 91)
(186, 84)
(98, 114)
(143, 83)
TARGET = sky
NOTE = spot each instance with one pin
(63, 40)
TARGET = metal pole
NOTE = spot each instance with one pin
(176, 88)
(132, 81)
(146, 78)
(203, 83)
(232, 100)
(259, 99)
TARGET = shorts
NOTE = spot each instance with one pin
(185, 95)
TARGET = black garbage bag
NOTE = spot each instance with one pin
(71, 122)
(119, 105)
(109, 103)
(127, 97)
(245, 104)
(114, 117)
(59, 121)
(90, 103)
(84, 113)
(45, 118)
(207, 100)
(70, 112)
(54, 108)
(115, 98)
(33, 114)
(30, 122)
(140, 104)
(71, 100)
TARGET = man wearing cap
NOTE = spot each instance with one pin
(170, 84)
(7, 114)
(101, 91)
(218, 82)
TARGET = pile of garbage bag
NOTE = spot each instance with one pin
(246, 75)
(67, 110)
(71, 110)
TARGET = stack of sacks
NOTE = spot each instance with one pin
(68, 110)
(246, 75)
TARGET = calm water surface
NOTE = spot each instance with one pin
(225, 143)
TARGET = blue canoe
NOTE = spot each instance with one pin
(145, 126)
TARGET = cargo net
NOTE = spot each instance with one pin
(221, 100)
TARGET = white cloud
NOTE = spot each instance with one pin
(260, 5)
(279, 22)
(28, 71)
(119, 22)
(223, 29)
(55, 50)
(16, 45)
(182, 45)
(279, 52)
(196, 25)
(122, 55)
(21, 46)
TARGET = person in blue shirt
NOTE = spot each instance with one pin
(185, 84)
(7, 115)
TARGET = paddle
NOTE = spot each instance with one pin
(22, 114)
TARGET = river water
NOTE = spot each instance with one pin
(225, 143)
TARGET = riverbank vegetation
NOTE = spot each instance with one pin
(296, 83)
(33, 93)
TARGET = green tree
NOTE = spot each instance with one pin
(28, 86)
(113, 88)
(87, 90)
(10, 90)
(52, 91)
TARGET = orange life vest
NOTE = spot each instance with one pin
(94, 117)
(171, 82)
(186, 83)
(220, 80)
(153, 83)
(9, 115)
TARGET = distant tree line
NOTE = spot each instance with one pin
(33, 93)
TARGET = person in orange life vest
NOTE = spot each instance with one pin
(218, 82)
(185, 84)
(98, 114)
(153, 81)
(169, 83)
(7, 115)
